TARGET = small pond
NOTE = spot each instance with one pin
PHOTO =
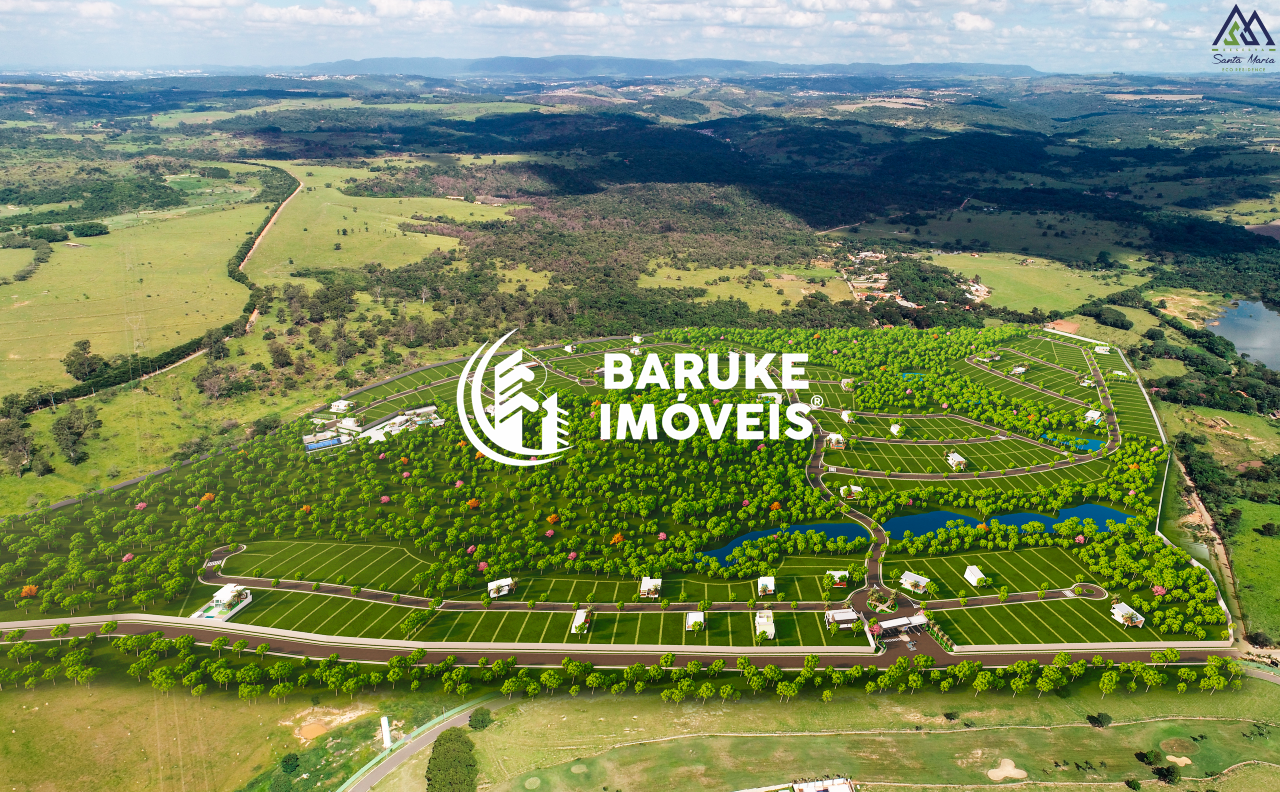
(920, 524)
(1254, 329)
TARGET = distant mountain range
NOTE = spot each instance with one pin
(571, 67)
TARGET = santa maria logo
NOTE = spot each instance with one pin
(493, 401)
(501, 420)
(1243, 44)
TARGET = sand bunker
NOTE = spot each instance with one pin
(312, 731)
(1006, 770)
(578, 769)
(1180, 761)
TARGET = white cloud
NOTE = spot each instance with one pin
(519, 16)
(326, 16)
(1123, 9)
(968, 23)
(412, 9)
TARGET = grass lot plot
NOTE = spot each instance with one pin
(1051, 621)
(1132, 410)
(1062, 353)
(1256, 564)
(1089, 471)
(380, 566)
(941, 427)
(832, 395)
(323, 614)
(1021, 570)
(140, 289)
(1045, 284)
(1046, 376)
(910, 458)
(1014, 389)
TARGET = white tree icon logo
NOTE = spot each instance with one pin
(508, 405)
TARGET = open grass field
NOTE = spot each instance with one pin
(1021, 570)
(871, 737)
(1045, 284)
(1255, 560)
(957, 759)
(145, 288)
(757, 294)
(1015, 233)
(309, 227)
(1232, 437)
(909, 458)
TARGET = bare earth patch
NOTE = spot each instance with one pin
(1006, 770)
(320, 720)
(1064, 326)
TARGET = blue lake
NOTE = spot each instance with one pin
(1253, 328)
(920, 524)
(1089, 445)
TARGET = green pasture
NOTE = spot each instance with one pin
(144, 289)
(911, 458)
(937, 427)
(1256, 564)
(832, 394)
(1088, 471)
(307, 230)
(944, 757)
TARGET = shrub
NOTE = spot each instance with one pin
(480, 718)
(289, 763)
(89, 229)
(1170, 774)
(48, 234)
(1133, 783)
(1100, 721)
(452, 766)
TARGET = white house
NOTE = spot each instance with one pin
(1093, 416)
(825, 785)
(1128, 617)
(764, 586)
(1102, 350)
(895, 429)
(972, 575)
(904, 623)
(498, 588)
(840, 576)
(764, 623)
(1120, 373)
(843, 619)
(1018, 370)
(650, 587)
(568, 348)
(1087, 382)
(341, 406)
(774, 395)
(846, 384)
(914, 582)
(694, 617)
(835, 441)
(846, 415)
(634, 350)
(581, 621)
(850, 491)
(636, 339)
(227, 602)
(955, 461)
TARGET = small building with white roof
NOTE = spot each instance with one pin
(843, 619)
(895, 429)
(825, 785)
(955, 461)
(764, 624)
(840, 576)
(500, 588)
(835, 441)
(694, 620)
(581, 621)
(850, 491)
(1102, 350)
(972, 575)
(1018, 370)
(650, 587)
(903, 623)
(1128, 617)
(636, 339)
(568, 348)
(226, 602)
(765, 586)
(846, 384)
(341, 405)
(846, 415)
(773, 395)
(913, 582)
(1093, 416)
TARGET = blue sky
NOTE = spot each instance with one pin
(1056, 35)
